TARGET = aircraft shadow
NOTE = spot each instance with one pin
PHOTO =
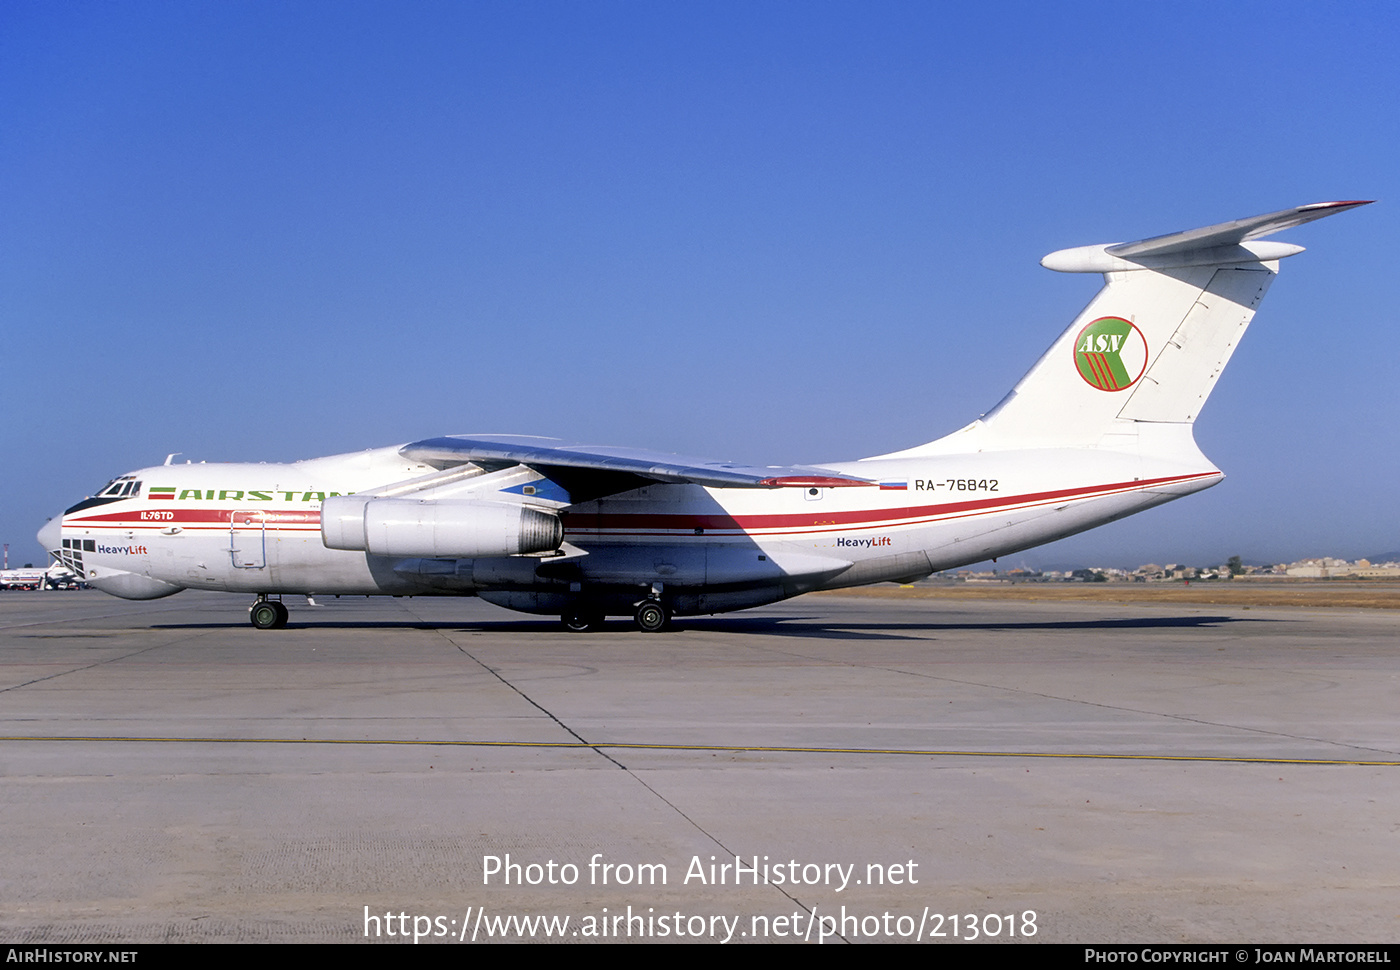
(801, 627)
(825, 628)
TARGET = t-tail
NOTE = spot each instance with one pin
(1135, 367)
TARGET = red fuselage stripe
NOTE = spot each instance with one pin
(649, 522)
(825, 520)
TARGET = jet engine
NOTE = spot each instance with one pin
(437, 529)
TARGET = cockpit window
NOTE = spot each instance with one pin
(120, 487)
(117, 489)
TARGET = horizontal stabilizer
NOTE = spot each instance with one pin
(1230, 233)
(1218, 245)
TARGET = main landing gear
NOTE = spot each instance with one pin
(266, 614)
(582, 621)
(651, 616)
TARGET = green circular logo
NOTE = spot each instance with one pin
(1110, 354)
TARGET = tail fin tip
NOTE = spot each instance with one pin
(1220, 244)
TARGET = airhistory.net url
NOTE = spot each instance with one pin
(476, 924)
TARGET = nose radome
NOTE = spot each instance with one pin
(51, 535)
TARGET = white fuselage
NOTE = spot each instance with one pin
(257, 528)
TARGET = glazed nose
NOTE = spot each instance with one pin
(51, 535)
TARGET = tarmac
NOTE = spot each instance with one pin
(831, 769)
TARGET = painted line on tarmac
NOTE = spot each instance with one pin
(733, 748)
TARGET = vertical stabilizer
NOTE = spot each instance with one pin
(1150, 346)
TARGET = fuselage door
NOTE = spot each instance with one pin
(247, 539)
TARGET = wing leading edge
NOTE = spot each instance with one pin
(547, 455)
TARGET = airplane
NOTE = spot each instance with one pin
(28, 577)
(1101, 427)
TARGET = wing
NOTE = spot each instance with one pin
(595, 471)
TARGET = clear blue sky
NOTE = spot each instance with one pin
(771, 232)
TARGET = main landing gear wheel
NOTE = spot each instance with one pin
(651, 617)
(268, 615)
(582, 621)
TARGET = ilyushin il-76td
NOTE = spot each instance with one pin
(1100, 428)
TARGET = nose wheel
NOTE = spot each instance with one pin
(266, 614)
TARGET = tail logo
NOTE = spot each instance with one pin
(1110, 354)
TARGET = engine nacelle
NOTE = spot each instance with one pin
(437, 530)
